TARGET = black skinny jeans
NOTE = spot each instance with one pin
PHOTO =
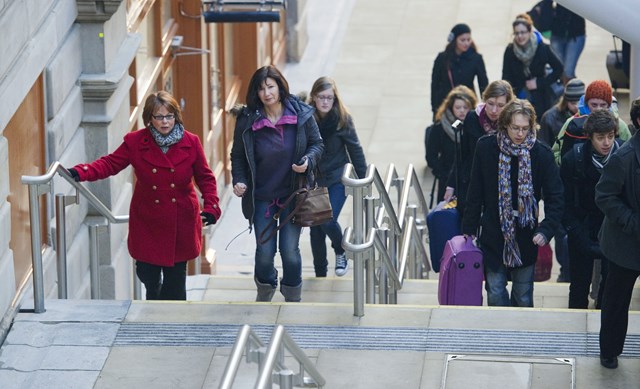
(162, 282)
(614, 316)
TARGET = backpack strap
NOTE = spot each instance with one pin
(578, 177)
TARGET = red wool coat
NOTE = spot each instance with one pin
(164, 216)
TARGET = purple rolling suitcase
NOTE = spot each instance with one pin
(461, 273)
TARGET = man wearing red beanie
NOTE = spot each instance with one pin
(598, 96)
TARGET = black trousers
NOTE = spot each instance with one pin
(581, 274)
(162, 282)
(614, 316)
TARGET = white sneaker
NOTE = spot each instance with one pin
(342, 264)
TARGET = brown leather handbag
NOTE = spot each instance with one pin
(313, 208)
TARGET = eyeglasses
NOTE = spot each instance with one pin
(162, 117)
(519, 130)
(325, 98)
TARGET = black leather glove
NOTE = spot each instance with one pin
(74, 173)
(207, 218)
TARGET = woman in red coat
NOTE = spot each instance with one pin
(165, 220)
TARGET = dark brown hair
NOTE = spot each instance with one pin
(258, 78)
(161, 99)
(498, 88)
(601, 121)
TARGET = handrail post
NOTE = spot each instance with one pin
(61, 241)
(383, 282)
(94, 262)
(61, 245)
(358, 260)
(370, 266)
(36, 244)
(412, 210)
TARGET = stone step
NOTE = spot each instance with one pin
(340, 290)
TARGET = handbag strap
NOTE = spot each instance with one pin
(450, 77)
(271, 227)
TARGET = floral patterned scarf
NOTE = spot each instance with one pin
(527, 212)
(164, 141)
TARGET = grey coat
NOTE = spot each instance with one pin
(618, 196)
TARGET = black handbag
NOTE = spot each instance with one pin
(313, 208)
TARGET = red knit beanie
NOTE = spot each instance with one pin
(598, 89)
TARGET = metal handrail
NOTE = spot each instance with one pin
(39, 185)
(405, 228)
(245, 339)
(280, 338)
(268, 359)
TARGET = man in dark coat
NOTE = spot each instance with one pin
(510, 172)
(618, 196)
(580, 171)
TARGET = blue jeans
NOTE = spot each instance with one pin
(331, 229)
(521, 287)
(568, 51)
(288, 242)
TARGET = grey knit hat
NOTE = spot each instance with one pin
(574, 90)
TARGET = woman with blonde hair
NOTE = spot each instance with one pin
(441, 147)
(341, 146)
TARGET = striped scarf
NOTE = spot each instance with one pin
(527, 204)
(600, 160)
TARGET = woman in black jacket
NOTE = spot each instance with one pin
(479, 122)
(525, 65)
(510, 172)
(441, 147)
(341, 146)
(276, 139)
(459, 64)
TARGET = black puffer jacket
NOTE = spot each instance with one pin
(464, 69)
(243, 164)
